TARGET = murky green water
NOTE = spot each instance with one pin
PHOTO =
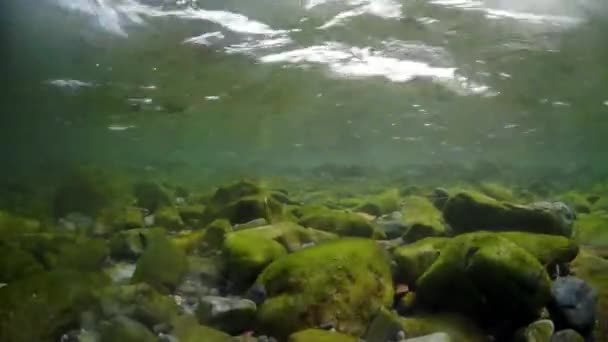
(288, 83)
(116, 110)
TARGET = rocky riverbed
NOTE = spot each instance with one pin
(301, 261)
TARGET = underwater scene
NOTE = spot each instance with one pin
(304, 171)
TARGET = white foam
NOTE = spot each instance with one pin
(203, 39)
(67, 83)
(386, 9)
(346, 61)
(251, 46)
(502, 13)
(120, 127)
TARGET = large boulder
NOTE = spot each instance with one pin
(470, 211)
(341, 282)
(485, 275)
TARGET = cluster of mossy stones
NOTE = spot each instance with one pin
(252, 263)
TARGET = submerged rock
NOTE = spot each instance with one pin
(151, 195)
(548, 249)
(387, 326)
(539, 331)
(392, 225)
(343, 281)
(469, 211)
(168, 217)
(16, 264)
(380, 204)
(487, 276)
(161, 264)
(340, 222)
(242, 202)
(573, 304)
(422, 219)
(232, 315)
(318, 335)
(41, 307)
(187, 329)
(215, 234)
(130, 244)
(567, 335)
(436, 337)
(125, 329)
(246, 256)
(414, 259)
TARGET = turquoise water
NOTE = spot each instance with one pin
(126, 127)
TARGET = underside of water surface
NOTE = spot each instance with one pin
(303, 170)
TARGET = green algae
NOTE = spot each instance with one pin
(422, 219)
(339, 222)
(161, 264)
(318, 335)
(342, 281)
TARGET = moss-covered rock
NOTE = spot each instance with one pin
(151, 195)
(231, 315)
(161, 265)
(13, 225)
(246, 256)
(496, 191)
(470, 211)
(386, 326)
(189, 241)
(192, 213)
(187, 329)
(215, 234)
(342, 282)
(339, 222)
(41, 307)
(592, 230)
(16, 264)
(576, 200)
(318, 335)
(84, 254)
(242, 202)
(130, 244)
(422, 219)
(130, 218)
(486, 275)
(138, 301)
(168, 217)
(594, 270)
(414, 259)
(548, 249)
(539, 331)
(380, 204)
(125, 329)
(288, 234)
(567, 335)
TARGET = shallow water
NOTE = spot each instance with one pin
(298, 83)
(331, 101)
